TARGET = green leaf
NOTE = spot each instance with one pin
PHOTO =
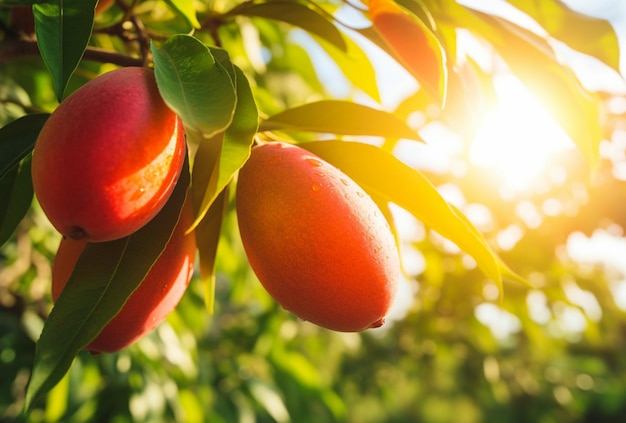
(222, 57)
(384, 176)
(355, 65)
(220, 157)
(208, 236)
(295, 14)
(16, 195)
(593, 36)
(297, 59)
(216, 161)
(17, 139)
(63, 29)
(532, 59)
(196, 86)
(105, 275)
(339, 117)
(186, 10)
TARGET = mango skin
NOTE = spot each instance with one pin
(108, 157)
(414, 44)
(158, 294)
(316, 241)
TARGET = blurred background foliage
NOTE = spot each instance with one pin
(452, 351)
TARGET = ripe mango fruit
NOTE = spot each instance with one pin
(108, 157)
(316, 241)
(157, 295)
(414, 44)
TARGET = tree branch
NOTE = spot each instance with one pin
(13, 48)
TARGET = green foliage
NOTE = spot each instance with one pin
(378, 172)
(104, 277)
(194, 84)
(338, 117)
(63, 29)
(308, 72)
(16, 194)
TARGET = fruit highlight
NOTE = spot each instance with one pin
(316, 241)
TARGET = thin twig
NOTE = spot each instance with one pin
(14, 48)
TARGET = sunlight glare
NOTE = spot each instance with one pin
(517, 138)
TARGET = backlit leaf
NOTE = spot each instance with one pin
(593, 36)
(186, 10)
(384, 176)
(295, 14)
(355, 65)
(532, 59)
(339, 117)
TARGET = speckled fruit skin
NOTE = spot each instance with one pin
(316, 241)
(152, 301)
(109, 156)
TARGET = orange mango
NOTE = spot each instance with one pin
(157, 295)
(108, 157)
(413, 43)
(316, 241)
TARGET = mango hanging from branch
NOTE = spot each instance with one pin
(414, 45)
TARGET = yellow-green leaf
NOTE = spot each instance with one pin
(593, 36)
(532, 59)
(386, 177)
(339, 117)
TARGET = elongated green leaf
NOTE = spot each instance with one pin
(196, 86)
(216, 161)
(297, 59)
(593, 36)
(105, 276)
(339, 117)
(218, 158)
(17, 139)
(295, 14)
(386, 177)
(63, 29)
(186, 10)
(16, 195)
(208, 236)
(534, 61)
(355, 65)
